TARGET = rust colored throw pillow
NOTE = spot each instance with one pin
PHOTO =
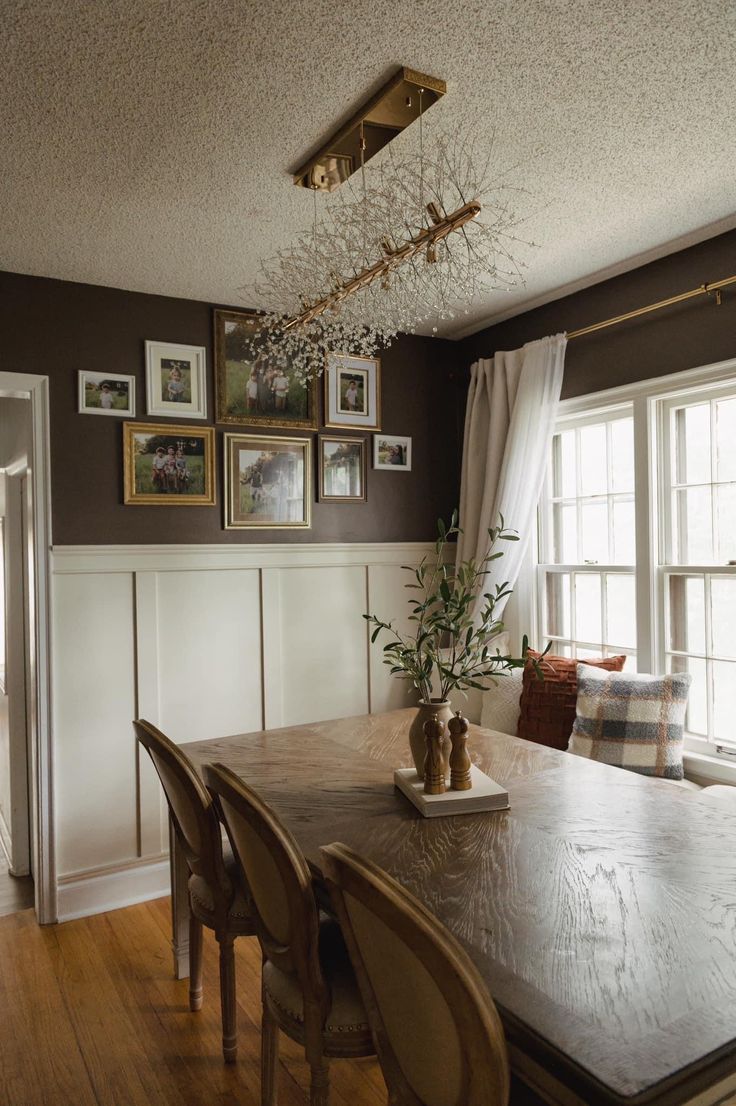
(548, 706)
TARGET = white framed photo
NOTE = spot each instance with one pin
(391, 452)
(106, 394)
(176, 380)
(353, 392)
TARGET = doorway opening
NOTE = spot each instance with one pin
(27, 874)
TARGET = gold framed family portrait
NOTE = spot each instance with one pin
(168, 466)
(252, 390)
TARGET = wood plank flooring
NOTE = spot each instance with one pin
(16, 892)
(90, 1015)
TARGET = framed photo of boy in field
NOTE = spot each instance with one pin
(169, 466)
(252, 389)
(353, 392)
(106, 394)
(176, 380)
(267, 482)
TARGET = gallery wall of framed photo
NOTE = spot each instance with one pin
(149, 360)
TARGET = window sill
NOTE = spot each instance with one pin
(707, 770)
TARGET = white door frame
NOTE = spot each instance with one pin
(36, 389)
(17, 675)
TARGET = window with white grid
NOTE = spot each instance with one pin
(698, 541)
(648, 469)
(586, 574)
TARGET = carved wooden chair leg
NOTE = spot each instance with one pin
(195, 963)
(319, 1087)
(227, 996)
(269, 1057)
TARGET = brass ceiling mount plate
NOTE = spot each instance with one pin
(390, 111)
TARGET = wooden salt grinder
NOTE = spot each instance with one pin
(434, 771)
(459, 759)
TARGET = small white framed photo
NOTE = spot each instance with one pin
(106, 394)
(391, 452)
(176, 380)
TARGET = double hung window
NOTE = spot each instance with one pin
(698, 509)
(651, 467)
(587, 530)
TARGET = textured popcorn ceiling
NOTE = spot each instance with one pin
(146, 144)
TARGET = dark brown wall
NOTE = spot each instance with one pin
(57, 328)
(679, 337)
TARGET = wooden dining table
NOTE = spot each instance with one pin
(600, 908)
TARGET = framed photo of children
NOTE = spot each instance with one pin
(176, 380)
(391, 452)
(106, 394)
(171, 466)
(267, 482)
(252, 389)
(342, 468)
(353, 392)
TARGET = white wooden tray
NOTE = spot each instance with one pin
(485, 794)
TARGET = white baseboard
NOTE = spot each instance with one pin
(95, 892)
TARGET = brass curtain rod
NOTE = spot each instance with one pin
(702, 290)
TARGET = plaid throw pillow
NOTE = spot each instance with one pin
(631, 721)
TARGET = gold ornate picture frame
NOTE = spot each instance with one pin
(268, 482)
(250, 391)
(168, 466)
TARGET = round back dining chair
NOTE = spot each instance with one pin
(437, 1032)
(309, 989)
(217, 898)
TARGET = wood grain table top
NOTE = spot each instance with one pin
(600, 908)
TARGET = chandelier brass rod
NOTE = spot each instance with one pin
(423, 240)
(701, 290)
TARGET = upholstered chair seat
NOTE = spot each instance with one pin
(346, 1019)
(203, 900)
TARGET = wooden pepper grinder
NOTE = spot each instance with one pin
(459, 758)
(434, 770)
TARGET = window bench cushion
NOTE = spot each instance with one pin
(500, 703)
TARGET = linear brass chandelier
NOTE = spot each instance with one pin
(411, 240)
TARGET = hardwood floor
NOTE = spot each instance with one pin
(90, 1015)
(16, 893)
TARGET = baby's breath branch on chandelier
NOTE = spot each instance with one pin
(412, 245)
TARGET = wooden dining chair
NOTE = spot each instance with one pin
(309, 989)
(217, 896)
(437, 1033)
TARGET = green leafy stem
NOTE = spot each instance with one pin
(450, 648)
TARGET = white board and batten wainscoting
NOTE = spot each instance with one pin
(203, 641)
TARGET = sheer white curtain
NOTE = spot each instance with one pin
(509, 421)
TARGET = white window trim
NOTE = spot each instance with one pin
(643, 397)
